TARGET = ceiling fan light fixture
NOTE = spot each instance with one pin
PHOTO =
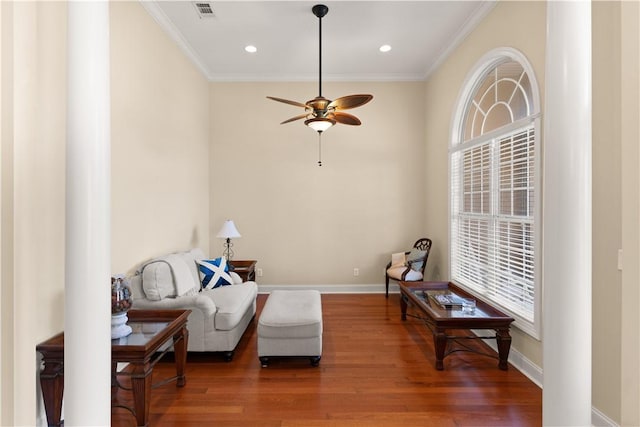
(251, 48)
(319, 124)
(322, 113)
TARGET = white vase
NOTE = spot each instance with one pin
(119, 327)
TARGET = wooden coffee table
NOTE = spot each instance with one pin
(441, 320)
(152, 329)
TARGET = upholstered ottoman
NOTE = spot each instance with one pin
(291, 325)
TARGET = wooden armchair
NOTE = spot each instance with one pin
(411, 267)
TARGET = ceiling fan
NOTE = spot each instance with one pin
(322, 113)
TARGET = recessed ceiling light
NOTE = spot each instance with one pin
(251, 49)
(385, 48)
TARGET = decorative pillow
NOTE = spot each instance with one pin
(214, 273)
(398, 260)
(157, 281)
(416, 255)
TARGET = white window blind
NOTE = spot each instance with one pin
(493, 200)
(493, 176)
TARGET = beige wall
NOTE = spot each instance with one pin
(630, 153)
(502, 27)
(607, 236)
(310, 225)
(33, 174)
(160, 150)
(160, 142)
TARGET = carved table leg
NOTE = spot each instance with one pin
(180, 345)
(52, 384)
(503, 340)
(440, 343)
(141, 388)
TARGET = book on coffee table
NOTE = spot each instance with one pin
(445, 299)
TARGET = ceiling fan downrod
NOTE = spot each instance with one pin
(320, 10)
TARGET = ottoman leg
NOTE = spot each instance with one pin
(264, 360)
(315, 360)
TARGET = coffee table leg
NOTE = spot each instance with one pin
(52, 384)
(180, 344)
(440, 343)
(403, 307)
(504, 345)
(141, 388)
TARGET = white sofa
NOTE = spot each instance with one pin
(218, 316)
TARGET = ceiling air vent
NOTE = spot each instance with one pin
(204, 9)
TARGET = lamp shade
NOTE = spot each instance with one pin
(228, 230)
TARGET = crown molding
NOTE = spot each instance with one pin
(152, 8)
(481, 12)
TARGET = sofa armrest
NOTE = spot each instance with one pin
(198, 301)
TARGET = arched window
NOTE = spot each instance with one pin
(494, 186)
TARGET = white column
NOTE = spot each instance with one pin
(567, 216)
(87, 357)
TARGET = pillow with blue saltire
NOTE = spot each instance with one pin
(214, 273)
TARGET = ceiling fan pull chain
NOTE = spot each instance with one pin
(319, 148)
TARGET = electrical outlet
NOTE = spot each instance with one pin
(356, 271)
(259, 272)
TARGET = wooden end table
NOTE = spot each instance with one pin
(246, 269)
(440, 319)
(151, 330)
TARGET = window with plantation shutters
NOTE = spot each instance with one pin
(494, 183)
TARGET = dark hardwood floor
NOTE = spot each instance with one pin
(375, 371)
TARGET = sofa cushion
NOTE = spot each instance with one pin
(190, 259)
(232, 303)
(214, 273)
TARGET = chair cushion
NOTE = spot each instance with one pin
(396, 273)
(416, 254)
(214, 273)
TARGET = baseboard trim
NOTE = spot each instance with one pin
(601, 420)
(329, 289)
(520, 362)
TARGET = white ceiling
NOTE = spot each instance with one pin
(421, 34)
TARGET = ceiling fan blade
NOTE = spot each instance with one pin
(293, 119)
(286, 101)
(350, 101)
(346, 119)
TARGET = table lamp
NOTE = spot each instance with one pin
(228, 231)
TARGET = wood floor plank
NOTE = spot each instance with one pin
(376, 370)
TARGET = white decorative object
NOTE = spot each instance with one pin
(121, 300)
(119, 327)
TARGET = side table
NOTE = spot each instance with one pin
(142, 350)
(246, 269)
